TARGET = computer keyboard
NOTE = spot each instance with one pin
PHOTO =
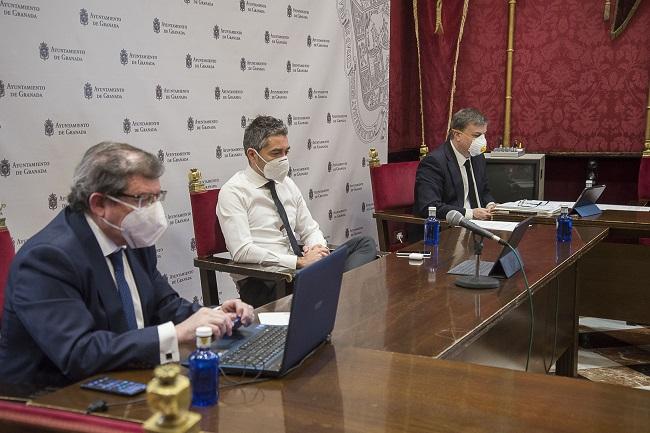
(259, 350)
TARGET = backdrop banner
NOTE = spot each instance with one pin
(182, 79)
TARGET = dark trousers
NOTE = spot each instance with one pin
(257, 292)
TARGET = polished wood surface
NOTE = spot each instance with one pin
(209, 266)
(382, 218)
(361, 390)
(634, 223)
(614, 282)
(614, 277)
(620, 223)
(392, 305)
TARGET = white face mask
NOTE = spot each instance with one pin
(478, 146)
(142, 227)
(275, 169)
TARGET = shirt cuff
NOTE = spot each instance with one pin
(168, 343)
(469, 214)
(288, 260)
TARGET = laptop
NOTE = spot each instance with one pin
(506, 264)
(272, 350)
(585, 205)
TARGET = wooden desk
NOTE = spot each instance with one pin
(382, 218)
(393, 306)
(362, 390)
(208, 266)
(614, 277)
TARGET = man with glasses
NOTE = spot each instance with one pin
(453, 176)
(84, 295)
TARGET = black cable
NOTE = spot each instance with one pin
(530, 302)
(103, 406)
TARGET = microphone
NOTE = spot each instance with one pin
(455, 218)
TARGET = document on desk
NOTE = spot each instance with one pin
(604, 206)
(275, 318)
(538, 207)
(506, 226)
(624, 207)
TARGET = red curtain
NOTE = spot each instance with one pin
(437, 55)
(574, 89)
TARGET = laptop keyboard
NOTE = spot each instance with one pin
(259, 350)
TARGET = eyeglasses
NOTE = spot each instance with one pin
(145, 200)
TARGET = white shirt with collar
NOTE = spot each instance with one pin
(252, 226)
(166, 332)
(460, 158)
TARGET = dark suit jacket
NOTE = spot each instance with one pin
(438, 183)
(63, 319)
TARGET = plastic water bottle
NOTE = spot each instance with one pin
(204, 370)
(563, 225)
(431, 228)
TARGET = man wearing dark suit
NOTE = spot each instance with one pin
(84, 295)
(453, 176)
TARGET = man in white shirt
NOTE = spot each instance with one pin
(84, 294)
(453, 176)
(264, 217)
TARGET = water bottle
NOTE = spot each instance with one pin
(563, 225)
(204, 370)
(431, 228)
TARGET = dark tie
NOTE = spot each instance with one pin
(123, 288)
(471, 193)
(285, 220)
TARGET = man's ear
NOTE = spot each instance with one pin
(250, 155)
(97, 204)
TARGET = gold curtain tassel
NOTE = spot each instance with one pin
(417, 41)
(439, 30)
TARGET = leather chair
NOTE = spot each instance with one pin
(21, 418)
(210, 241)
(393, 187)
(7, 253)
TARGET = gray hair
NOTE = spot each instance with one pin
(466, 116)
(106, 168)
(260, 129)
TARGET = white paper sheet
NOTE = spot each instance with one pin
(506, 226)
(275, 318)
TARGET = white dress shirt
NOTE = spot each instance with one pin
(166, 332)
(252, 226)
(463, 173)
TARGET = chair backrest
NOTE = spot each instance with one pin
(20, 418)
(207, 231)
(7, 253)
(644, 180)
(393, 185)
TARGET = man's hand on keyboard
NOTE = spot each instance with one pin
(218, 320)
(236, 308)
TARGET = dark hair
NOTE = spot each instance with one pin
(260, 129)
(106, 167)
(464, 117)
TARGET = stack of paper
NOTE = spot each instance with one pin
(538, 207)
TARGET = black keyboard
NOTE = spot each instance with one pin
(468, 267)
(259, 350)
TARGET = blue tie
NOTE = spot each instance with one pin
(123, 288)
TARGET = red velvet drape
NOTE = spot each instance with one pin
(437, 55)
(574, 89)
